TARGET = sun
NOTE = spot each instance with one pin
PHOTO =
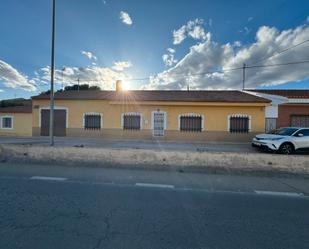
(125, 86)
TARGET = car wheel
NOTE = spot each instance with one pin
(286, 148)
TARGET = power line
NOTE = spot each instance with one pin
(282, 51)
(279, 64)
(210, 72)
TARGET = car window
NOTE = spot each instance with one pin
(285, 131)
(305, 132)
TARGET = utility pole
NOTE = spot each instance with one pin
(62, 87)
(77, 84)
(243, 76)
(51, 109)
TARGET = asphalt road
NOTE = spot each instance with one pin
(70, 207)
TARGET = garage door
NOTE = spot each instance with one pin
(300, 120)
(59, 123)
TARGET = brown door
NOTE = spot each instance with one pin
(59, 123)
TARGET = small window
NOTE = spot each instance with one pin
(131, 121)
(92, 121)
(191, 123)
(239, 124)
(7, 122)
(305, 132)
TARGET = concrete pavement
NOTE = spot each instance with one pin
(57, 207)
(159, 145)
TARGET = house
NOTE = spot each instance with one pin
(16, 120)
(287, 108)
(148, 114)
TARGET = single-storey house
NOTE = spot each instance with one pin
(152, 114)
(16, 120)
(287, 108)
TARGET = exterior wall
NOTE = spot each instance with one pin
(215, 118)
(22, 124)
(288, 110)
(271, 111)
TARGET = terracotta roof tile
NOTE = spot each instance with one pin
(16, 109)
(155, 95)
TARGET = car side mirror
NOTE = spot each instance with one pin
(300, 135)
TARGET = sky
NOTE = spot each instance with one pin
(162, 44)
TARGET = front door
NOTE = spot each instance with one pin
(59, 123)
(158, 124)
(270, 124)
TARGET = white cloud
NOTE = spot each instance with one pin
(125, 18)
(171, 50)
(198, 33)
(168, 58)
(93, 75)
(207, 62)
(89, 55)
(1, 90)
(250, 19)
(245, 31)
(192, 28)
(237, 44)
(179, 35)
(14, 79)
(121, 65)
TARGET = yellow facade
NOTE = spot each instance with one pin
(21, 124)
(215, 114)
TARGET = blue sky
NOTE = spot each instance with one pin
(96, 45)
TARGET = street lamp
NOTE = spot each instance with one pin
(52, 69)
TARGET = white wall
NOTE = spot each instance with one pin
(271, 111)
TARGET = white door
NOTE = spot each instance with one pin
(158, 124)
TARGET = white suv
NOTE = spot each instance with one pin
(284, 140)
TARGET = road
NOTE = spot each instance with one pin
(80, 207)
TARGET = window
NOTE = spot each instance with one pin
(300, 120)
(92, 121)
(239, 124)
(7, 122)
(305, 132)
(285, 131)
(131, 121)
(191, 122)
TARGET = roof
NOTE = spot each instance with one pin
(158, 95)
(293, 93)
(16, 106)
(16, 109)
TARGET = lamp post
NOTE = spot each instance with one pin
(52, 69)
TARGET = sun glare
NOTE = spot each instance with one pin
(125, 86)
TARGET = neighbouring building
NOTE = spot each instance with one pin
(16, 120)
(287, 108)
(171, 115)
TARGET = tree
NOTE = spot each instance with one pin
(14, 102)
(83, 87)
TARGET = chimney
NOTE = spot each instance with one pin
(118, 85)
